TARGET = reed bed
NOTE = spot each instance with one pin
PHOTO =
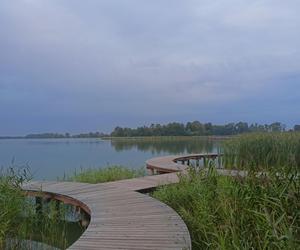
(259, 211)
(237, 213)
(263, 151)
(11, 206)
(26, 225)
(110, 173)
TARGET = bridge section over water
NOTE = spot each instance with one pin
(121, 216)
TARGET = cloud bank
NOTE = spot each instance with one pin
(87, 65)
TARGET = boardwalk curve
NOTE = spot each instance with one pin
(121, 216)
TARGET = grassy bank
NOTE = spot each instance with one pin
(100, 175)
(243, 213)
(11, 206)
(263, 151)
(26, 225)
(44, 224)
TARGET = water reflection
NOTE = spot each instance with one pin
(48, 224)
(167, 145)
(50, 159)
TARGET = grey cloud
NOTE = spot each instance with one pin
(131, 58)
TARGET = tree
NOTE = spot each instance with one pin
(208, 128)
(241, 127)
(277, 127)
(297, 128)
(194, 128)
(118, 131)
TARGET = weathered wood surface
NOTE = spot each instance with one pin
(174, 164)
(169, 164)
(123, 218)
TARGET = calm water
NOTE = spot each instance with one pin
(52, 158)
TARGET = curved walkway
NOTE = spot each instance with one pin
(122, 217)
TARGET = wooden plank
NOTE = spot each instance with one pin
(122, 218)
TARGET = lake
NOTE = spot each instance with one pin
(49, 159)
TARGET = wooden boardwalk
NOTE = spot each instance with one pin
(121, 216)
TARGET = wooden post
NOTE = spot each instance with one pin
(85, 221)
(57, 207)
(219, 161)
(150, 170)
(38, 205)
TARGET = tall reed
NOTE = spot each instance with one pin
(110, 173)
(257, 211)
(11, 206)
(24, 224)
(227, 213)
(263, 151)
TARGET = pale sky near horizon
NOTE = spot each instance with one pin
(72, 66)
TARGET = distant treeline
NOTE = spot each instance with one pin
(197, 128)
(194, 128)
(66, 135)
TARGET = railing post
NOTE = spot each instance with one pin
(38, 205)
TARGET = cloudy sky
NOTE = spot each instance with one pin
(91, 65)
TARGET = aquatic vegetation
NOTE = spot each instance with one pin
(100, 175)
(11, 205)
(252, 212)
(263, 151)
(28, 224)
(237, 213)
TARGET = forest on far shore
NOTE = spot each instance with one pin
(194, 128)
(197, 128)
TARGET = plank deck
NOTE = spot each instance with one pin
(121, 216)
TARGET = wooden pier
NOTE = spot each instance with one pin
(121, 216)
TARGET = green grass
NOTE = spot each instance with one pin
(237, 213)
(263, 151)
(11, 206)
(107, 174)
(19, 219)
(254, 212)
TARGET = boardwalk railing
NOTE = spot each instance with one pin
(171, 164)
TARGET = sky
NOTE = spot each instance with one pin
(75, 66)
